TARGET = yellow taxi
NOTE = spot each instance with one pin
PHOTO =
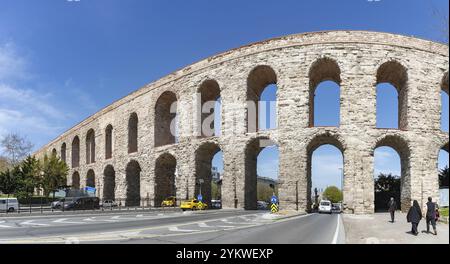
(193, 204)
(169, 202)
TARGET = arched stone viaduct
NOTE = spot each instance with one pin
(125, 149)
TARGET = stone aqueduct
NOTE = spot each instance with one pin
(126, 150)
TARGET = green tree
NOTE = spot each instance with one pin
(8, 181)
(443, 177)
(28, 176)
(54, 174)
(333, 194)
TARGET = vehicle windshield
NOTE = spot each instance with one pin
(325, 203)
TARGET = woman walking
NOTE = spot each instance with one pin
(414, 216)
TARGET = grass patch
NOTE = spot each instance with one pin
(443, 211)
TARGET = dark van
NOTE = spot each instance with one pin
(82, 203)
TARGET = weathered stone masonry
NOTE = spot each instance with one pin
(356, 60)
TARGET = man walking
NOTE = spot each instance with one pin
(392, 205)
(431, 215)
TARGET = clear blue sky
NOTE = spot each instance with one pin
(61, 61)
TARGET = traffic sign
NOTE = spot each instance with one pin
(200, 198)
(274, 199)
(274, 208)
(90, 189)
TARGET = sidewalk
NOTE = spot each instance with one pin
(377, 229)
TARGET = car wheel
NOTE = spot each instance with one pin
(11, 209)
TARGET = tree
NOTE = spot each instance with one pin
(387, 183)
(333, 194)
(16, 147)
(443, 177)
(4, 164)
(54, 174)
(386, 186)
(8, 182)
(28, 177)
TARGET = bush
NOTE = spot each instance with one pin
(36, 200)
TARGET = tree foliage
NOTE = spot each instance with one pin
(54, 174)
(443, 177)
(333, 194)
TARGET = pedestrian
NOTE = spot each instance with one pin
(414, 216)
(392, 206)
(431, 215)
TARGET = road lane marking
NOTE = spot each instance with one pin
(64, 221)
(30, 222)
(92, 219)
(5, 226)
(336, 232)
(176, 229)
(232, 223)
(203, 225)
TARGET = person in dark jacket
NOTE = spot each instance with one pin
(414, 216)
(392, 206)
(431, 215)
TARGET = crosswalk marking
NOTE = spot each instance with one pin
(30, 222)
(64, 221)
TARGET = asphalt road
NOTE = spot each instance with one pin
(221, 226)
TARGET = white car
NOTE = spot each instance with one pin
(325, 207)
(9, 204)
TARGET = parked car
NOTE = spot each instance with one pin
(262, 205)
(9, 204)
(108, 204)
(216, 204)
(82, 203)
(336, 208)
(170, 201)
(193, 204)
(325, 207)
(58, 204)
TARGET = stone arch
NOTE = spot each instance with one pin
(90, 146)
(109, 183)
(209, 92)
(323, 69)
(252, 150)
(54, 152)
(133, 182)
(108, 141)
(75, 152)
(76, 180)
(444, 83)
(63, 152)
(259, 78)
(316, 142)
(165, 119)
(90, 178)
(401, 146)
(203, 158)
(133, 133)
(396, 74)
(165, 174)
(444, 93)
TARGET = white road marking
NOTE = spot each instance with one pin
(92, 219)
(204, 225)
(176, 229)
(139, 215)
(64, 221)
(336, 233)
(4, 226)
(30, 222)
(232, 223)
